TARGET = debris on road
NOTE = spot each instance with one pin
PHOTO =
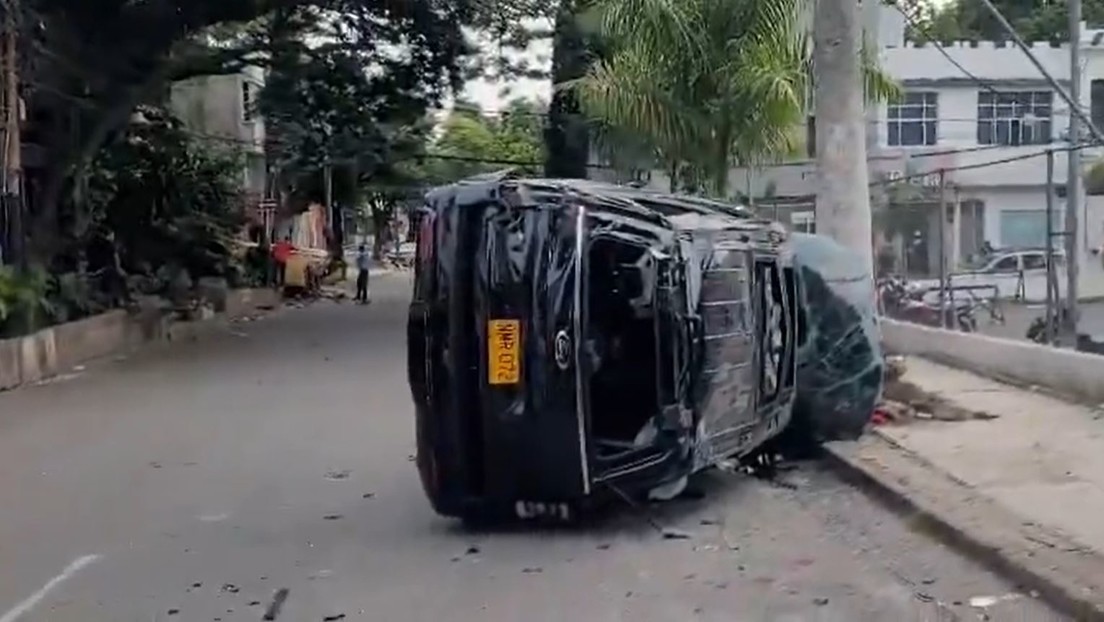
(276, 605)
(337, 476)
(230, 588)
(333, 517)
(903, 401)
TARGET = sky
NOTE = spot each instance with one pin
(490, 95)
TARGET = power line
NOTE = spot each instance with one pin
(978, 165)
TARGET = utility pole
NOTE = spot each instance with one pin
(843, 193)
(1051, 275)
(944, 320)
(1073, 182)
(12, 200)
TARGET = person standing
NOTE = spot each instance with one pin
(363, 261)
(281, 253)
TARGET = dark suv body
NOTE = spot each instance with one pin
(568, 338)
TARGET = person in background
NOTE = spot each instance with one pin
(363, 261)
(281, 253)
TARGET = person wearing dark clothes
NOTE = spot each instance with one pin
(363, 261)
(103, 259)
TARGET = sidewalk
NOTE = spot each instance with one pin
(1021, 481)
(1040, 457)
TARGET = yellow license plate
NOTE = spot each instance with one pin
(504, 351)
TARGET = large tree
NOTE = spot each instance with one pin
(710, 83)
(89, 64)
(965, 20)
(471, 142)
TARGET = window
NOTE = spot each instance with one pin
(1025, 228)
(1096, 102)
(1015, 118)
(247, 102)
(1007, 264)
(913, 120)
(1034, 261)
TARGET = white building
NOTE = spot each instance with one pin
(221, 109)
(1008, 111)
(969, 125)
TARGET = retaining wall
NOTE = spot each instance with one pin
(57, 349)
(1074, 374)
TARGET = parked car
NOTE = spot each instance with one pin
(569, 340)
(1015, 273)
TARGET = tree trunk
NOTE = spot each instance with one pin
(843, 197)
(566, 136)
(43, 230)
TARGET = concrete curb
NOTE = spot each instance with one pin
(1062, 572)
(55, 350)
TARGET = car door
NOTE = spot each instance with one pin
(1034, 275)
(1003, 273)
(748, 339)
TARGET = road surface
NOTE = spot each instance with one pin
(267, 468)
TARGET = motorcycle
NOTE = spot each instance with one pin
(1037, 330)
(899, 302)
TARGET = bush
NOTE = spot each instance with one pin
(170, 200)
(24, 305)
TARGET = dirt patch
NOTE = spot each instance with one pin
(904, 402)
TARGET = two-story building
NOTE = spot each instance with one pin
(986, 117)
(222, 109)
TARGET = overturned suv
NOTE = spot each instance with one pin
(569, 339)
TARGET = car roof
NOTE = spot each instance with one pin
(678, 211)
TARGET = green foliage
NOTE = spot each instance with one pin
(1094, 180)
(92, 63)
(170, 201)
(328, 101)
(709, 83)
(471, 143)
(23, 301)
(1034, 20)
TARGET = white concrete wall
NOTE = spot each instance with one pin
(1074, 374)
(213, 108)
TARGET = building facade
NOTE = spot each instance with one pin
(222, 109)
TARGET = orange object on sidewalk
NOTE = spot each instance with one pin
(282, 251)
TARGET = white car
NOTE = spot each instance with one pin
(1014, 273)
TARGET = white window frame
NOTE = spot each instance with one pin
(1014, 118)
(247, 97)
(914, 120)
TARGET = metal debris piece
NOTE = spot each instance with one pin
(336, 476)
(276, 605)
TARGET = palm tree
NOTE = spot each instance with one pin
(709, 83)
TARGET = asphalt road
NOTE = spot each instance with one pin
(197, 481)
